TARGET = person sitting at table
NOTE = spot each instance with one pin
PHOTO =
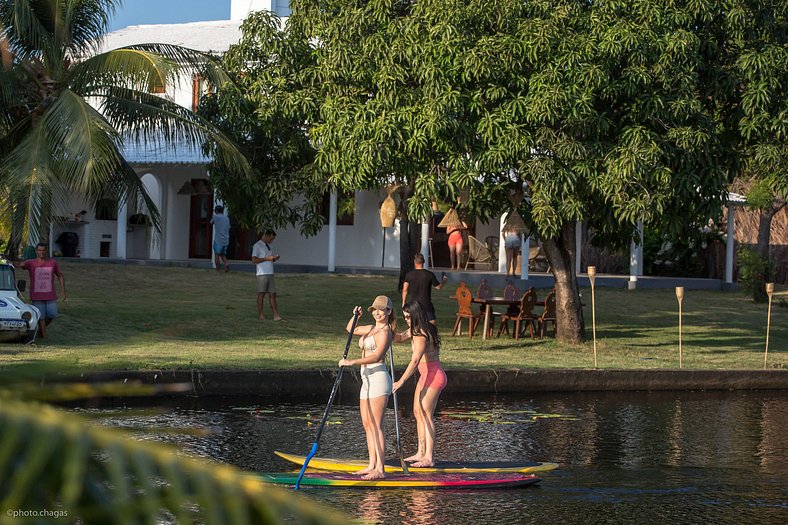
(483, 292)
(511, 293)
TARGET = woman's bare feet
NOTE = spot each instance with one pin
(375, 474)
(423, 463)
(365, 471)
(414, 457)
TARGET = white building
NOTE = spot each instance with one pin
(176, 178)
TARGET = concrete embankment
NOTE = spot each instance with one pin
(308, 383)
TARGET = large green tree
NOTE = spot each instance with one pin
(388, 113)
(607, 112)
(757, 62)
(66, 108)
(595, 108)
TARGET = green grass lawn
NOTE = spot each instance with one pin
(160, 318)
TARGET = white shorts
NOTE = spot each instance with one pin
(375, 381)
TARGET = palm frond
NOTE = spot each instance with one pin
(189, 61)
(86, 22)
(144, 66)
(83, 144)
(58, 461)
(46, 29)
(135, 69)
(128, 178)
(29, 175)
(23, 28)
(148, 118)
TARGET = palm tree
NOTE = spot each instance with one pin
(58, 463)
(66, 108)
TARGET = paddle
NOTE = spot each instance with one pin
(356, 315)
(396, 415)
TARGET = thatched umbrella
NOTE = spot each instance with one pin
(451, 220)
(514, 223)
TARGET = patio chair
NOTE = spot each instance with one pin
(537, 261)
(527, 303)
(479, 254)
(464, 311)
(548, 316)
(492, 242)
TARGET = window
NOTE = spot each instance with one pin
(106, 210)
(200, 88)
(346, 207)
(157, 85)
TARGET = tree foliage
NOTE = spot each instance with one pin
(258, 111)
(60, 464)
(65, 108)
(607, 112)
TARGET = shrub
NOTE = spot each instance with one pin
(754, 271)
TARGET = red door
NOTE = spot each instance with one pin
(200, 229)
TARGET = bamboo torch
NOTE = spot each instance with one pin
(680, 296)
(769, 292)
(591, 276)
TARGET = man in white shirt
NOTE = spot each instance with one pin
(264, 258)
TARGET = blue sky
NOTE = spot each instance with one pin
(134, 12)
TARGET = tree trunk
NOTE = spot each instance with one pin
(560, 251)
(762, 248)
(406, 236)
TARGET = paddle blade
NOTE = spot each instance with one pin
(306, 462)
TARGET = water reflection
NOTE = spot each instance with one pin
(422, 508)
(690, 457)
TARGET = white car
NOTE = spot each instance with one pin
(18, 320)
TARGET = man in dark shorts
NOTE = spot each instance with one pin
(418, 284)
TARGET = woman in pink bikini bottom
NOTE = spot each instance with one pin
(425, 343)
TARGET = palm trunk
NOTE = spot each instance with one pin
(560, 251)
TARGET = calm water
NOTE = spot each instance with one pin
(680, 457)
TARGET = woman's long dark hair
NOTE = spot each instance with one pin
(419, 324)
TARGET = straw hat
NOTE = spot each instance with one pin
(381, 302)
(451, 220)
(514, 223)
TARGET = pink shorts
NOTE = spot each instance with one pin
(455, 238)
(432, 375)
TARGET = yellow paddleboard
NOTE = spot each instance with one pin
(353, 465)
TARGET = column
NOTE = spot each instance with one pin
(640, 249)
(120, 231)
(216, 202)
(332, 231)
(525, 254)
(635, 258)
(160, 251)
(501, 246)
(425, 242)
(730, 243)
(578, 246)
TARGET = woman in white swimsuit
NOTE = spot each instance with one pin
(375, 379)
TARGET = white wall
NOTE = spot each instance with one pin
(485, 229)
(240, 8)
(177, 225)
(358, 245)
